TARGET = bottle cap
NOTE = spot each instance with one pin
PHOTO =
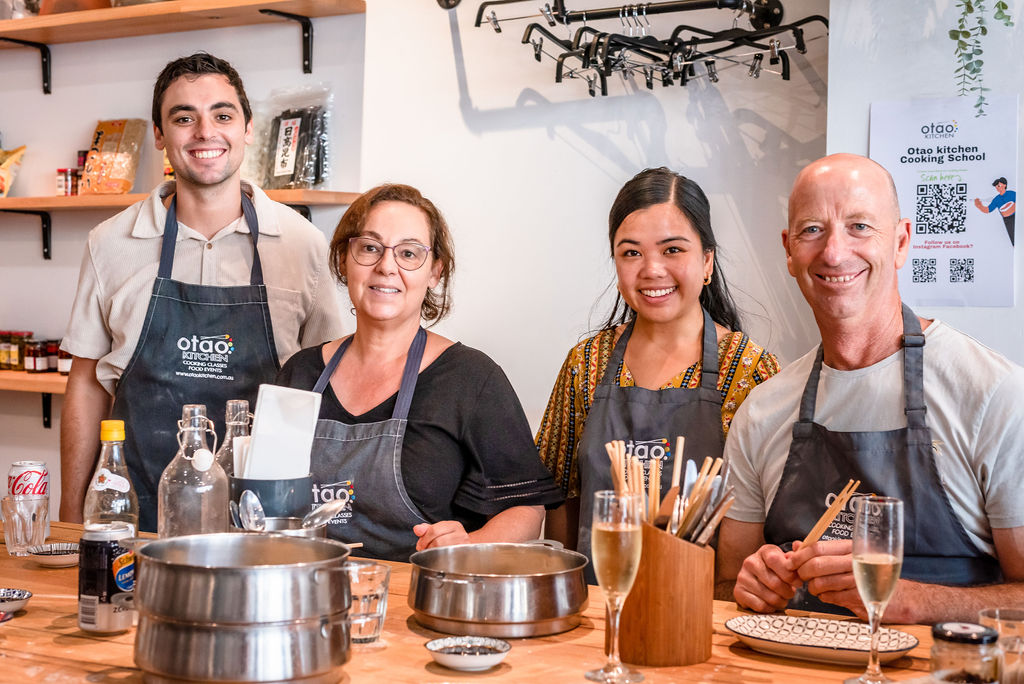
(202, 460)
(964, 633)
(112, 431)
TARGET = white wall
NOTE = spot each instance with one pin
(885, 50)
(526, 169)
(114, 79)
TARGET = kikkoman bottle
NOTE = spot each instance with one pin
(111, 496)
(236, 424)
(193, 494)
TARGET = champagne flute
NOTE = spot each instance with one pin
(877, 560)
(616, 539)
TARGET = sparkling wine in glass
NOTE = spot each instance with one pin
(615, 541)
(877, 560)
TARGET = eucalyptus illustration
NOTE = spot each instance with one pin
(971, 28)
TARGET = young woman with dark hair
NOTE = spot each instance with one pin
(673, 318)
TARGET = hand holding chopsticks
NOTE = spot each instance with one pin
(829, 515)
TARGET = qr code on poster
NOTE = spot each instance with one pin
(941, 208)
(961, 270)
(924, 271)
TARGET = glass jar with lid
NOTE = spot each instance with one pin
(35, 357)
(965, 652)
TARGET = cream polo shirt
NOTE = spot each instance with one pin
(122, 257)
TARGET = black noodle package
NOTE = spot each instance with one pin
(297, 140)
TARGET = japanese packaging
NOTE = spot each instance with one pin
(10, 162)
(113, 157)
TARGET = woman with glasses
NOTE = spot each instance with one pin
(425, 433)
(669, 361)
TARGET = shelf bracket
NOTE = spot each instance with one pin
(44, 55)
(44, 221)
(47, 409)
(303, 211)
(307, 36)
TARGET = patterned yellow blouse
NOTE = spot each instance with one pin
(742, 365)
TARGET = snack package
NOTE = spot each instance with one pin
(10, 162)
(113, 157)
(296, 140)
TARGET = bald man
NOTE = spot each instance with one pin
(911, 407)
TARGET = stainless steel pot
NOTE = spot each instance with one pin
(503, 590)
(242, 608)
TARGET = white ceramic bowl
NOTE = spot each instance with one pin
(468, 653)
(58, 555)
(13, 600)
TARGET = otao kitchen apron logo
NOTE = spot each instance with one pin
(647, 451)
(324, 493)
(206, 356)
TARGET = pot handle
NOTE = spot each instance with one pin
(550, 543)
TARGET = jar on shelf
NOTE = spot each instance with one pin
(52, 349)
(16, 350)
(965, 652)
(5, 344)
(63, 362)
(63, 182)
(35, 357)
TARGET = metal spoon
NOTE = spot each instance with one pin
(236, 519)
(322, 514)
(251, 511)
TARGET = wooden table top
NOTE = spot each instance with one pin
(43, 643)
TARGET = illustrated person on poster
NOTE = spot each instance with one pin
(1005, 203)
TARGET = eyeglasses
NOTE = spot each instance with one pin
(408, 255)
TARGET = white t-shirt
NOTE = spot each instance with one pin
(973, 397)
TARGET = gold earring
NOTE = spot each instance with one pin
(707, 280)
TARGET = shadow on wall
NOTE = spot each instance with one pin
(763, 158)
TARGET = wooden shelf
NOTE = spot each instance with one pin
(310, 198)
(20, 381)
(163, 17)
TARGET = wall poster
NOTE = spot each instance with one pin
(956, 177)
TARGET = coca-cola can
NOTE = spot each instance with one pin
(28, 478)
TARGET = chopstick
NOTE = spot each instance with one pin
(618, 477)
(829, 515)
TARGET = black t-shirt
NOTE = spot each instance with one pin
(468, 452)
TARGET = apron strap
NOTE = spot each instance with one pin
(618, 353)
(913, 375)
(913, 370)
(410, 374)
(709, 354)
(171, 237)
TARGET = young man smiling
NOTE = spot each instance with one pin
(197, 294)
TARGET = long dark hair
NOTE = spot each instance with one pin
(662, 186)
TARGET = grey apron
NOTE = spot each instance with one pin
(200, 344)
(366, 460)
(898, 463)
(648, 421)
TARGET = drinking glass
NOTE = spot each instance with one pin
(615, 541)
(369, 583)
(25, 520)
(877, 560)
(1009, 622)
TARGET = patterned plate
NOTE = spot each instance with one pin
(59, 555)
(819, 639)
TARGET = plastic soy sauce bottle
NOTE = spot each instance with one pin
(965, 652)
(111, 496)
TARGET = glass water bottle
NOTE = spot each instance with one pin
(236, 424)
(193, 493)
(111, 496)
